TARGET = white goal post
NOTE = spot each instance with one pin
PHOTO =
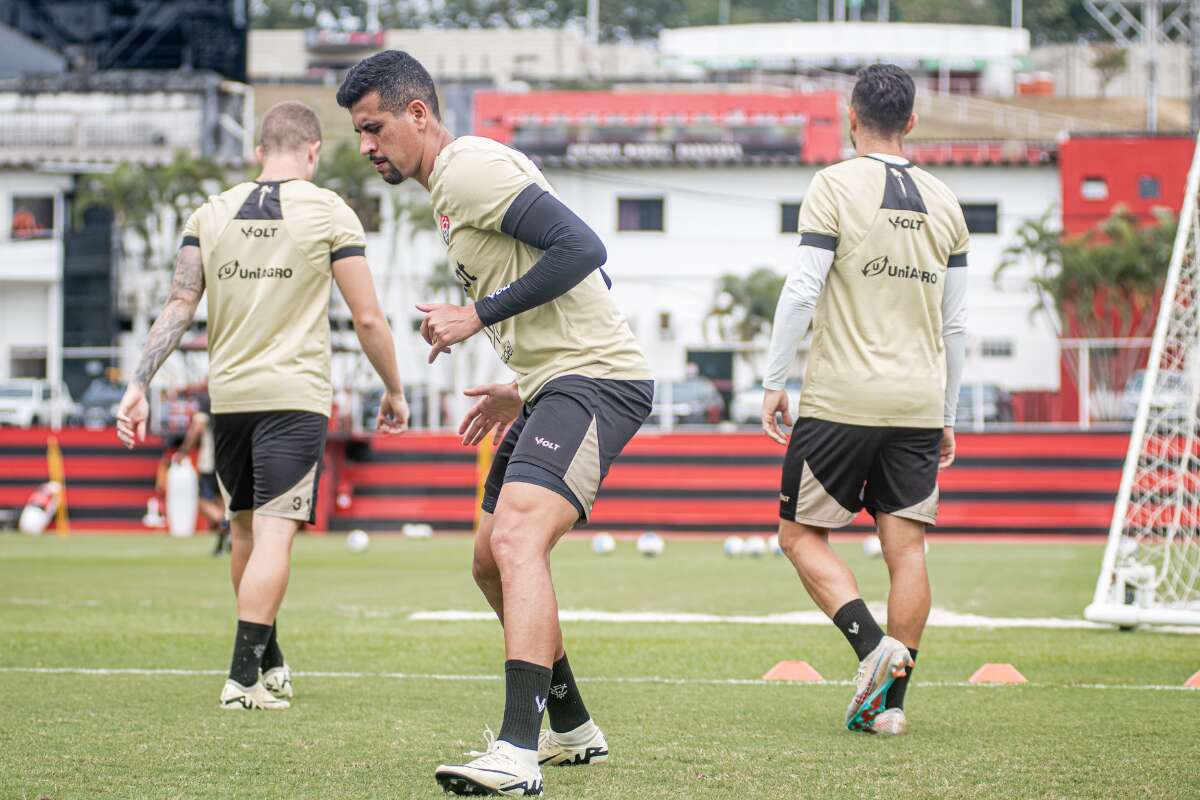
(1151, 569)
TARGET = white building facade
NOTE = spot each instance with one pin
(722, 220)
(31, 251)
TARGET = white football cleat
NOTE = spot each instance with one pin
(500, 770)
(876, 673)
(890, 722)
(584, 745)
(278, 681)
(238, 697)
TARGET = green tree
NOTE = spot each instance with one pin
(1110, 61)
(150, 203)
(744, 306)
(344, 171)
(1100, 284)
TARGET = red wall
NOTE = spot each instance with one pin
(1121, 161)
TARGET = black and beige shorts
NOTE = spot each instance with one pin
(833, 470)
(269, 462)
(569, 436)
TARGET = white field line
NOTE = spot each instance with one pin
(637, 679)
(938, 618)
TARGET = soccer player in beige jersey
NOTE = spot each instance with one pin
(583, 388)
(266, 251)
(881, 275)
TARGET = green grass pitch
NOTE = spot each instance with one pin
(387, 698)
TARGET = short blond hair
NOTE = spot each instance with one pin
(289, 126)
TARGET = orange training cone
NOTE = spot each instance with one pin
(792, 671)
(1194, 681)
(997, 673)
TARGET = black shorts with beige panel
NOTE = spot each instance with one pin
(833, 470)
(269, 462)
(566, 439)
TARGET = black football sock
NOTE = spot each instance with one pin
(565, 705)
(526, 687)
(895, 695)
(272, 656)
(861, 630)
(248, 647)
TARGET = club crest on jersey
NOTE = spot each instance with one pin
(444, 227)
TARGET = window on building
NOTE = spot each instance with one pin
(27, 362)
(982, 217)
(1094, 188)
(640, 214)
(789, 217)
(996, 348)
(1149, 187)
(32, 217)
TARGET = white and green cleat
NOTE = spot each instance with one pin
(890, 722)
(278, 681)
(876, 673)
(584, 745)
(238, 697)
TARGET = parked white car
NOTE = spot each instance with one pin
(26, 402)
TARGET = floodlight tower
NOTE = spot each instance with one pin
(1160, 21)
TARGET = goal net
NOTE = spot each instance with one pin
(1151, 569)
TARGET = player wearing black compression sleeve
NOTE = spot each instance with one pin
(532, 271)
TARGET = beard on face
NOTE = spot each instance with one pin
(390, 174)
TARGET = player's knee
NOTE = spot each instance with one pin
(485, 572)
(794, 537)
(904, 553)
(512, 545)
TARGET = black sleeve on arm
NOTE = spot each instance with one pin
(572, 251)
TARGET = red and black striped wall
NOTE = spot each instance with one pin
(1002, 483)
(107, 485)
(1044, 483)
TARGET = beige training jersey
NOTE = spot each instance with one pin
(267, 249)
(473, 182)
(877, 354)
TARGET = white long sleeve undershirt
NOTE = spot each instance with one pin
(794, 311)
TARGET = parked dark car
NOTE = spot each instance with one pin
(97, 407)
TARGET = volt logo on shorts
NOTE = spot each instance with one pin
(546, 443)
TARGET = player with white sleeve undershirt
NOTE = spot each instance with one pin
(881, 276)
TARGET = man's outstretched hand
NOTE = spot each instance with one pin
(445, 325)
(498, 405)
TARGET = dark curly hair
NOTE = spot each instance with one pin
(398, 77)
(883, 98)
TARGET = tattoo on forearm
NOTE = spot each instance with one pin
(186, 289)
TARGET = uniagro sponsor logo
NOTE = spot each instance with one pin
(882, 265)
(233, 268)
